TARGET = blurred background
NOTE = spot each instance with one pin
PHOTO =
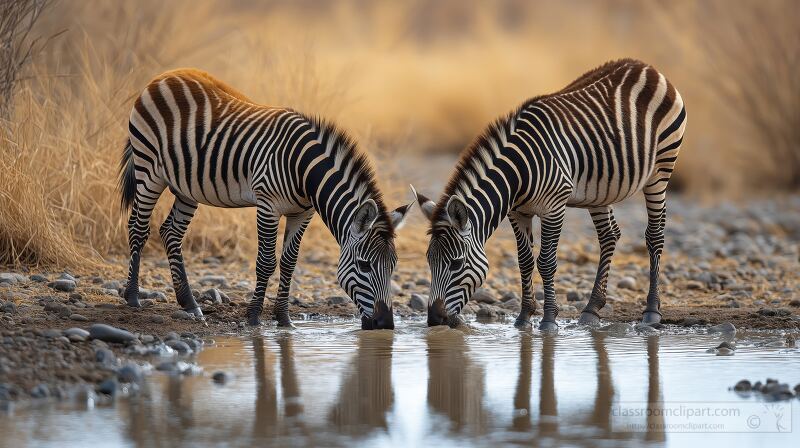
(413, 81)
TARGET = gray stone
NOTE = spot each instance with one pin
(574, 296)
(157, 319)
(78, 317)
(64, 285)
(396, 289)
(108, 386)
(181, 315)
(179, 346)
(337, 300)
(691, 321)
(423, 282)
(114, 284)
(51, 333)
(214, 280)
(77, 332)
(107, 333)
(12, 278)
(482, 295)
(644, 328)
(38, 278)
(512, 305)
(725, 327)
(9, 308)
(508, 296)
(159, 296)
(40, 391)
(617, 329)
(57, 308)
(418, 302)
(486, 313)
(67, 276)
(104, 356)
(743, 386)
(627, 283)
(215, 296)
(130, 373)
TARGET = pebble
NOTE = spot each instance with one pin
(129, 373)
(104, 356)
(423, 282)
(725, 327)
(692, 321)
(9, 308)
(486, 313)
(508, 296)
(627, 283)
(743, 386)
(114, 284)
(617, 329)
(694, 284)
(337, 300)
(78, 317)
(40, 391)
(51, 333)
(157, 319)
(215, 296)
(38, 278)
(76, 332)
(418, 302)
(644, 328)
(108, 386)
(62, 284)
(795, 303)
(181, 315)
(214, 280)
(396, 289)
(482, 295)
(57, 308)
(107, 333)
(11, 278)
(159, 296)
(179, 346)
(513, 305)
(220, 377)
(574, 296)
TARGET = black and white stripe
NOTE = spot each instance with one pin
(209, 144)
(611, 133)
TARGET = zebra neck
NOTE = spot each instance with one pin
(489, 209)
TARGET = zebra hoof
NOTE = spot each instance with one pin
(522, 324)
(651, 317)
(548, 326)
(589, 319)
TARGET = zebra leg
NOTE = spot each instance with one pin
(138, 232)
(551, 231)
(608, 234)
(655, 197)
(522, 232)
(295, 226)
(265, 262)
(172, 231)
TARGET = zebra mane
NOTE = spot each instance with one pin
(348, 152)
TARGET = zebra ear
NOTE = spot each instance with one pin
(398, 215)
(364, 218)
(426, 205)
(458, 214)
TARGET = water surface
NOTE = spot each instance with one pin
(327, 384)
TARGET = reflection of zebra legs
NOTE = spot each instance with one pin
(172, 231)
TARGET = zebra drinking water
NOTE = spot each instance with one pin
(209, 144)
(612, 132)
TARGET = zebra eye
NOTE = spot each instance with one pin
(457, 264)
(364, 266)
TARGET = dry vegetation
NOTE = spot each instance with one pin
(413, 76)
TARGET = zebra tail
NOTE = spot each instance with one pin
(127, 177)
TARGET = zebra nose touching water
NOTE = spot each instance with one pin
(211, 145)
(611, 133)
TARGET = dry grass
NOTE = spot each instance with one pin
(412, 76)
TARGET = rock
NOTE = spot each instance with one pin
(156, 319)
(78, 317)
(214, 280)
(220, 377)
(179, 346)
(694, 284)
(627, 283)
(486, 313)
(337, 300)
(795, 303)
(104, 356)
(159, 296)
(76, 332)
(215, 296)
(512, 305)
(725, 327)
(396, 289)
(57, 308)
(574, 296)
(11, 278)
(38, 278)
(691, 321)
(172, 336)
(727, 345)
(62, 284)
(617, 329)
(107, 333)
(51, 333)
(129, 373)
(147, 338)
(743, 386)
(40, 391)
(108, 386)
(9, 308)
(211, 260)
(423, 282)
(181, 315)
(418, 302)
(645, 328)
(508, 296)
(482, 295)
(114, 284)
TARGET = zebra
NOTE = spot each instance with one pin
(612, 132)
(209, 144)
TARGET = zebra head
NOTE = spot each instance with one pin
(456, 257)
(367, 260)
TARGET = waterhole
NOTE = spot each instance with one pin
(328, 384)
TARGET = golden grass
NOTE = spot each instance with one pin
(400, 76)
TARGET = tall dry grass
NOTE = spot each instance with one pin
(402, 77)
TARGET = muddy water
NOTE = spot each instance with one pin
(326, 384)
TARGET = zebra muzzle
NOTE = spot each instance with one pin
(382, 318)
(436, 313)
